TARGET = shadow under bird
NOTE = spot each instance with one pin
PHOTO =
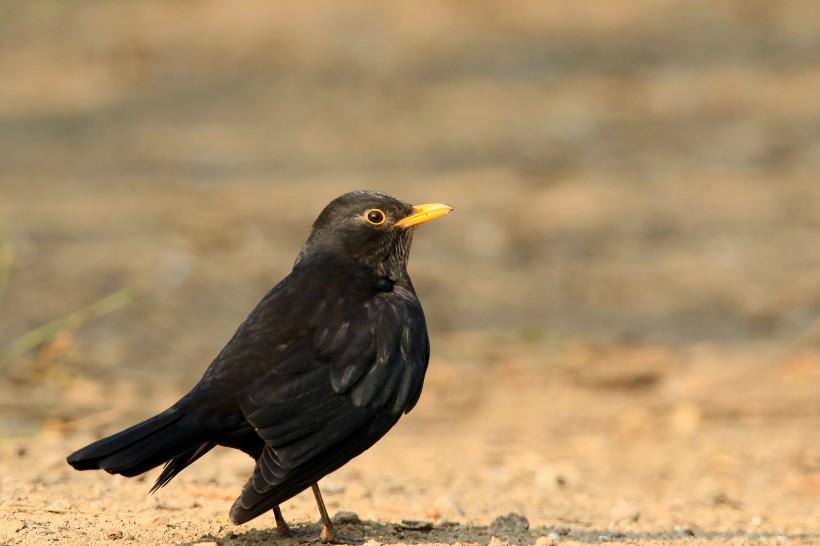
(319, 371)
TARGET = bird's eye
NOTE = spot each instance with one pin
(375, 217)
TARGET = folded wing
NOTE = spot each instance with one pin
(332, 394)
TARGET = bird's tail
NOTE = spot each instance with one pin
(164, 438)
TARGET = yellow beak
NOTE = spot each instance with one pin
(424, 213)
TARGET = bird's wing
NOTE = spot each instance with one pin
(329, 385)
(333, 393)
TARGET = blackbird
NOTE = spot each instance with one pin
(318, 372)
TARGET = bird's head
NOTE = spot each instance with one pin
(368, 228)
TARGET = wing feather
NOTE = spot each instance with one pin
(333, 392)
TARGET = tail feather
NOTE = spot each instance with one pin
(175, 465)
(145, 446)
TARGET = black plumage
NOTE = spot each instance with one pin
(321, 369)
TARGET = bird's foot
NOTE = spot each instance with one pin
(287, 531)
(327, 536)
(330, 536)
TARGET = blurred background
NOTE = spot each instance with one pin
(636, 184)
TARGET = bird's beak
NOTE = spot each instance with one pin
(424, 213)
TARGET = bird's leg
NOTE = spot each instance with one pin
(282, 526)
(329, 534)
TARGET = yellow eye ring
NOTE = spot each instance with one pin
(375, 217)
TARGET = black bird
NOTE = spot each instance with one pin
(319, 371)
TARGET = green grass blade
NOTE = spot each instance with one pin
(48, 331)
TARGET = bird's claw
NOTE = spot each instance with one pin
(330, 536)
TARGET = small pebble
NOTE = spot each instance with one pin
(114, 534)
(684, 531)
(618, 536)
(416, 525)
(346, 517)
(510, 522)
(613, 536)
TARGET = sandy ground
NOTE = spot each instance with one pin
(623, 307)
(662, 450)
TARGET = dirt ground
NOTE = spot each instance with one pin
(624, 308)
(627, 443)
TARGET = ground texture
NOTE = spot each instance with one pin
(623, 307)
